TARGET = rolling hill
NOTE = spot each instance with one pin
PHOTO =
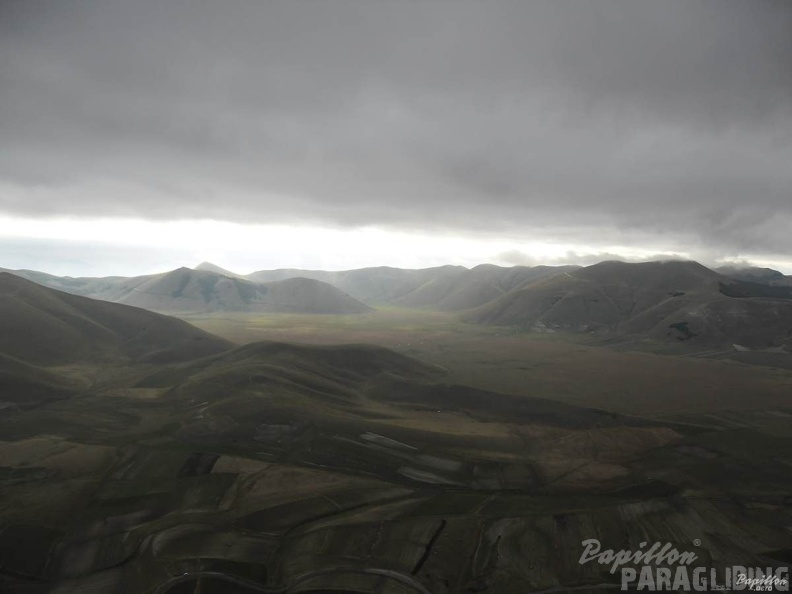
(376, 286)
(447, 288)
(754, 274)
(192, 291)
(23, 385)
(185, 290)
(471, 288)
(47, 327)
(681, 301)
(94, 287)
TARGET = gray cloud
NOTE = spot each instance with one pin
(579, 121)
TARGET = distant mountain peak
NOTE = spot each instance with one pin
(209, 267)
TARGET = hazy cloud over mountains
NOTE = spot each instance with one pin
(665, 121)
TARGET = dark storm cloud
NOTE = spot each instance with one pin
(669, 120)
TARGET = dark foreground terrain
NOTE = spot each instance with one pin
(139, 454)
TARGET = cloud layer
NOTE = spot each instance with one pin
(598, 123)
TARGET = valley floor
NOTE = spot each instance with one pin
(480, 465)
(640, 377)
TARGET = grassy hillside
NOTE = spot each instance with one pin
(23, 385)
(107, 288)
(681, 301)
(186, 290)
(475, 287)
(45, 326)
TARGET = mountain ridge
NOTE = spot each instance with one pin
(682, 301)
(40, 325)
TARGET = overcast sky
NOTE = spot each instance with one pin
(334, 134)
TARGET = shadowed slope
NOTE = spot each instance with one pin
(754, 274)
(45, 326)
(675, 300)
(342, 367)
(267, 380)
(24, 385)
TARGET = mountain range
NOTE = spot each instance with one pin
(196, 291)
(211, 288)
(682, 301)
(678, 301)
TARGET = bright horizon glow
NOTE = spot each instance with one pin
(128, 247)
